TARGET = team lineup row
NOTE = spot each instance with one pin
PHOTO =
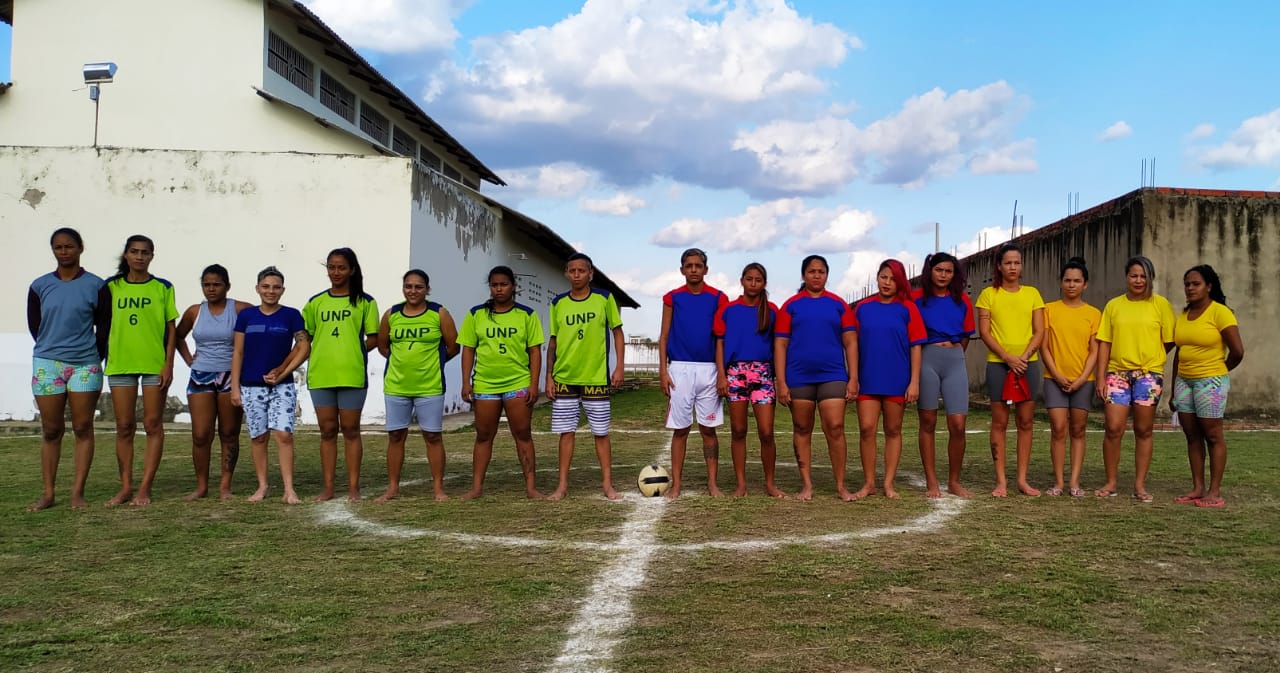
(815, 354)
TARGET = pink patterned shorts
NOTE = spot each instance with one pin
(751, 382)
(1134, 388)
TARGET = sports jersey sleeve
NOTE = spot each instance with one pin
(309, 316)
(1166, 320)
(717, 325)
(986, 298)
(969, 325)
(467, 333)
(296, 323)
(916, 333)
(1037, 301)
(782, 325)
(847, 322)
(1104, 325)
(614, 317)
(553, 316)
(533, 328)
(371, 319)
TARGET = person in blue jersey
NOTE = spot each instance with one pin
(815, 357)
(949, 322)
(67, 316)
(140, 351)
(212, 325)
(343, 324)
(744, 364)
(687, 367)
(271, 341)
(890, 334)
(501, 343)
(417, 337)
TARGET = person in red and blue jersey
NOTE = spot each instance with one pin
(815, 356)
(890, 335)
(744, 363)
(949, 321)
(687, 367)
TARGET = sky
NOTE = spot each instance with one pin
(766, 130)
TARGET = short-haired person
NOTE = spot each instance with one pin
(270, 343)
(501, 343)
(815, 355)
(1011, 324)
(890, 335)
(1070, 355)
(581, 322)
(1203, 332)
(343, 324)
(1134, 340)
(744, 364)
(67, 314)
(140, 352)
(212, 325)
(949, 323)
(416, 337)
(687, 367)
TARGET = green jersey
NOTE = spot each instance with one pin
(140, 314)
(338, 330)
(581, 329)
(415, 364)
(502, 342)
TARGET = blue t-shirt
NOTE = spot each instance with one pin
(738, 324)
(268, 339)
(815, 327)
(886, 333)
(944, 319)
(66, 312)
(691, 338)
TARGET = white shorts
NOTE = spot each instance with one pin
(693, 387)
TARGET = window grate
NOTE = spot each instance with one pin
(430, 159)
(336, 97)
(375, 124)
(403, 143)
(289, 63)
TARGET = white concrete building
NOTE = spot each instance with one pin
(247, 133)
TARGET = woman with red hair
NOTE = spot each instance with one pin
(890, 336)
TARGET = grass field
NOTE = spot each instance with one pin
(496, 585)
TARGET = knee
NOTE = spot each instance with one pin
(126, 429)
(681, 433)
(328, 432)
(956, 427)
(153, 426)
(485, 435)
(83, 429)
(738, 435)
(398, 436)
(432, 437)
(801, 428)
(893, 432)
(1025, 424)
(351, 433)
(522, 434)
(928, 426)
(1142, 434)
(202, 438)
(1078, 430)
(1113, 433)
(229, 438)
(52, 433)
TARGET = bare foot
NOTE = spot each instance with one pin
(473, 494)
(258, 495)
(353, 496)
(612, 494)
(958, 490)
(41, 504)
(120, 498)
(714, 491)
(890, 492)
(672, 493)
(805, 494)
(196, 494)
(932, 491)
(389, 495)
(324, 496)
(290, 498)
(1000, 492)
(773, 492)
(530, 493)
(78, 502)
(740, 491)
(865, 491)
(142, 499)
(225, 495)
(1026, 489)
(441, 497)
(1189, 497)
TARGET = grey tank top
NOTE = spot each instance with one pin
(215, 338)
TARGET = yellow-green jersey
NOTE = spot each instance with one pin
(581, 329)
(501, 342)
(415, 363)
(338, 331)
(140, 315)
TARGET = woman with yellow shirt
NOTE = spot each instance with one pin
(1204, 330)
(1134, 340)
(1011, 324)
(1070, 353)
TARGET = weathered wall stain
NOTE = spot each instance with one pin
(32, 197)
(474, 224)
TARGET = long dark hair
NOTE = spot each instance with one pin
(997, 278)
(122, 268)
(764, 317)
(500, 270)
(805, 264)
(958, 280)
(1075, 263)
(1211, 279)
(75, 236)
(218, 270)
(355, 285)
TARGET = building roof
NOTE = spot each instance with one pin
(312, 27)
(6, 11)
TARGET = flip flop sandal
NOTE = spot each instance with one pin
(1187, 499)
(1210, 503)
(1077, 492)
(1144, 498)
(1105, 493)
(1053, 491)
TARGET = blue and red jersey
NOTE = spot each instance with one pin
(815, 327)
(691, 337)
(738, 325)
(886, 333)
(944, 319)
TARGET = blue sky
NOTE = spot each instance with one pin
(766, 130)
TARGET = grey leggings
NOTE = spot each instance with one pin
(943, 374)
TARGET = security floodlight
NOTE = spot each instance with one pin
(99, 73)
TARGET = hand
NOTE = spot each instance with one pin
(722, 386)
(616, 379)
(1017, 364)
(235, 396)
(913, 393)
(1101, 390)
(551, 388)
(189, 359)
(1064, 384)
(273, 377)
(166, 376)
(667, 384)
(851, 390)
(783, 394)
(466, 393)
(531, 396)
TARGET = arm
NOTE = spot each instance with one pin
(1037, 334)
(551, 367)
(1090, 362)
(722, 377)
(185, 325)
(913, 389)
(102, 320)
(535, 372)
(237, 363)
(984, 331)
(1104, 357)
(301, 351)
(964, 344)
(370, 342)
(780, 370)
(449, 332)
(851, 361)
(468, 364)
(384, 335)
(170, 341)
(619, 351)
(1235, 346)
(664, 378)
(33, 313)
(1051, 366)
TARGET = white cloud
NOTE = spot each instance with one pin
(993, 237)
(766, 225)
(578, 245)
(392, 26)
(1202, 131)
(858, 279)
(804, 157)
(1016, 157)
(620, 205)
(834, 231)
(558, 180)
(1255, 143)
(1116, 131)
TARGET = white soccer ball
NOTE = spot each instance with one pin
(654, 480)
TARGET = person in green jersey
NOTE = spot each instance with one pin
(343, 324)
(417, 338)
(582, 320)
(140, 350)
(501, 360)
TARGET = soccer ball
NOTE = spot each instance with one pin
(654, 480)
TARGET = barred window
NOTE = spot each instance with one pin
(375, 124)
(403, 143)
(429, 158)
(289, 63)
(451, 172)
(336, 97)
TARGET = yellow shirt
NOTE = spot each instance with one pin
(1067, 334)
(1137, 332)
(1011, 317)
(1201, 349)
